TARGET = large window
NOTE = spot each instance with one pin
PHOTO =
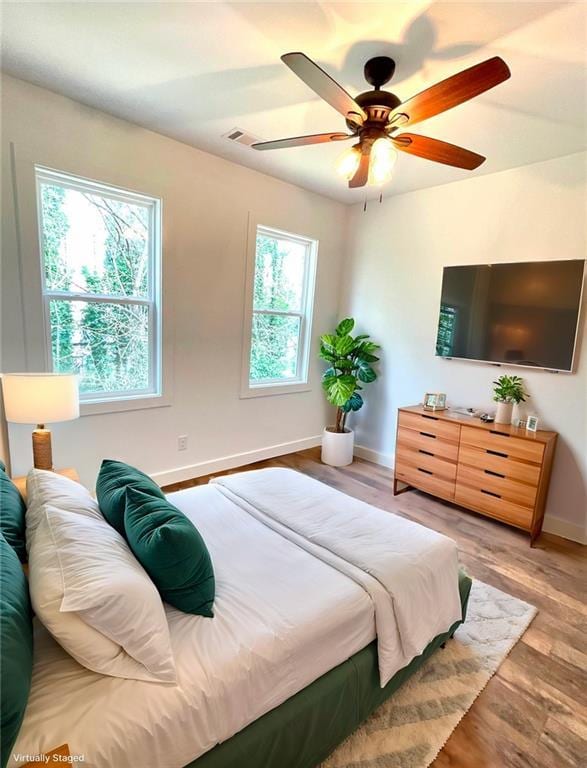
(100, 259)
(281, 290)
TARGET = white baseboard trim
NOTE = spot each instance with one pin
(377, 457)
(565, 529)
(235, 460)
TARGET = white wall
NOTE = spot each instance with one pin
(206, 202)
(392, 285)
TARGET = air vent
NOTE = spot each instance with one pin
(241, 137)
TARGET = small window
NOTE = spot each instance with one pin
(279, 317)
(100, 260)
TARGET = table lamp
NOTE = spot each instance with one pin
(40, 398)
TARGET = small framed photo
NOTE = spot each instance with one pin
(532, 423)
(434, 401)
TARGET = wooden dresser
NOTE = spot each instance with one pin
(495, 469)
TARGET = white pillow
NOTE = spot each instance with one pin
(45, 487)
(96, 600)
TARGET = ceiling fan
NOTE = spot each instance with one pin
(374, 117)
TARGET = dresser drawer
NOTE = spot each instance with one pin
(430, 424)
(507, 511)
(502, 444)
(515, 469)
(425, 479)
(490, 483)
(423, 459)
(428, 442)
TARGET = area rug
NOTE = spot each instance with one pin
(410, 729)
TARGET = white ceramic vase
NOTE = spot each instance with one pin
(503, 415)
(337, 447)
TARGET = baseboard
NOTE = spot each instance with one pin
(377, 457)
(235, 460)
(565, 529)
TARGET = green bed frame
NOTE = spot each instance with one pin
(306, 728)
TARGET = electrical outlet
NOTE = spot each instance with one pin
(182, 443)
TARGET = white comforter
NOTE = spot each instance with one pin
(282, 619)
(287, 610)
(410, 572)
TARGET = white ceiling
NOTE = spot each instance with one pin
(193, 71)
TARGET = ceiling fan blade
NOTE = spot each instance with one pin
(322, 84)
(439, 151)
(451, 92)
(301, 141)
(362, 173)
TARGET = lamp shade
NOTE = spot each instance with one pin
(40, 398)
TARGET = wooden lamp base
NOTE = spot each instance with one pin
(42, 454)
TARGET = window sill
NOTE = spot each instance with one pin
(139, 403)
(268, 390)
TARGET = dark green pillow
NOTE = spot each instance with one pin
(171, 550)
(12, 512)
(113, 480)
(16, 641)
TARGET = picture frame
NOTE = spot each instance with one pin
(532, 424)
(434, 401)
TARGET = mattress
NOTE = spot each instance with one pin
(282, 619)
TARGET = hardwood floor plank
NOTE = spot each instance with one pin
(533, 712)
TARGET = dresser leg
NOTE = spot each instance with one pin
(396, 490)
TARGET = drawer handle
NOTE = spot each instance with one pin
(426, 453)
(425, 471)
(497, 453)
(497, 432)
(490, 493)
(495, 474)
(425, 416)
(428, 434)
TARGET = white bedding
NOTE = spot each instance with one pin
(410, 571)
(290, 605)
(282, 619)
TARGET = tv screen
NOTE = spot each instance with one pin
(519, 314)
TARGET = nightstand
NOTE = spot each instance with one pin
(20, 482)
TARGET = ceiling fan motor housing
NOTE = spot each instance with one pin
(377, 104)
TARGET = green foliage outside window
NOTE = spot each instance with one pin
(106, 343)
(275, 338)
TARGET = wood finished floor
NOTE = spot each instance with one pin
(534, 710)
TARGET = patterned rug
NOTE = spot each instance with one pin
(410, 729)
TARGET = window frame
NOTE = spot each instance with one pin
(301, 382)
(93, 402)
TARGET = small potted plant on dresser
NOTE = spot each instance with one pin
(507, 391)
(350, 365)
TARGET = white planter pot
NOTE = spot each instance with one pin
(337, 447)
(503, 415)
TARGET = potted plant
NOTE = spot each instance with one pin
(507, 391)
(350, 366)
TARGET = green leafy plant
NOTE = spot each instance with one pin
(350, 360)
(509, 389)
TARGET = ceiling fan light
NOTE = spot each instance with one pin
(383, 157)
(348, 162)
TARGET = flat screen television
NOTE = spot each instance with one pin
(525, 313)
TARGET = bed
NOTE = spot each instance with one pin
(324, 607)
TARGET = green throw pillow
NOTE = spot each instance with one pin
(16, 641)
(171, 550)
(113, 480)
(12, 512)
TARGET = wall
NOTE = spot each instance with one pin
(393, 277)
(206, 202)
